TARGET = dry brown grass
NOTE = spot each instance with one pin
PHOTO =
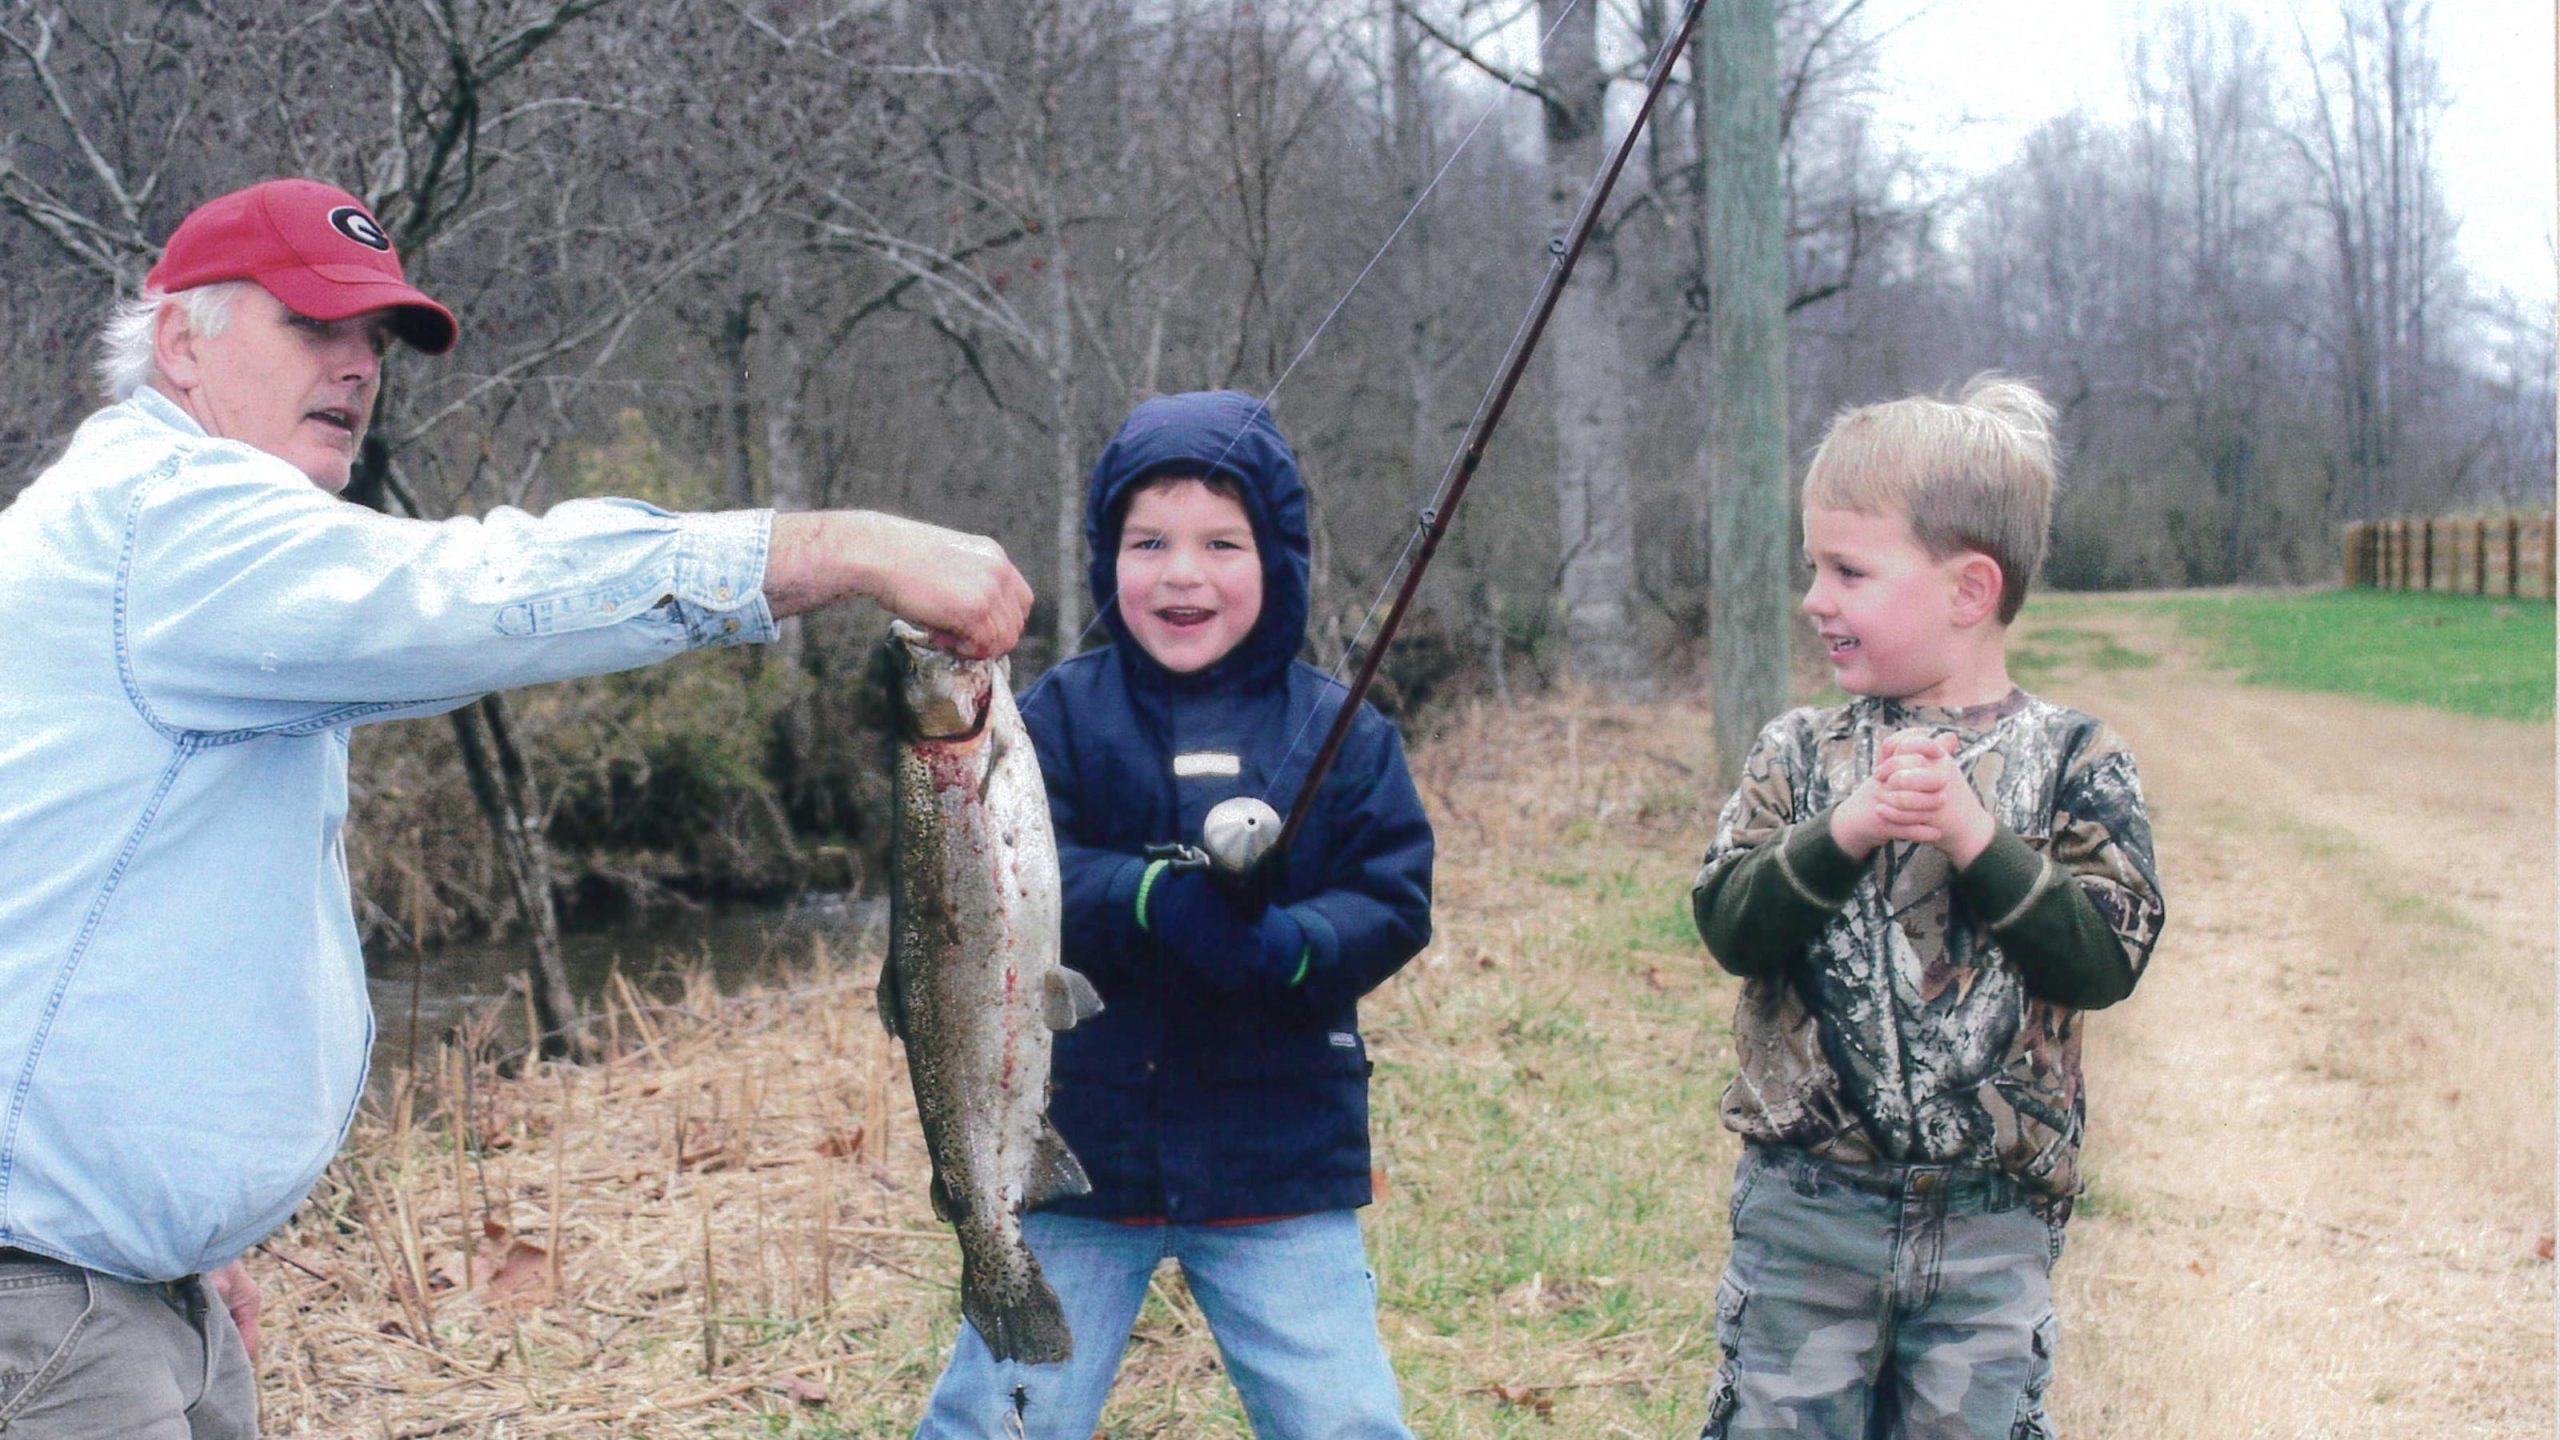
(633, 1248)
(611, 1250)
(2322, 1155)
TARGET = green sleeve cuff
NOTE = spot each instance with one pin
(2003, 881)
(1814, 864)
(1146, 888)
(2063, 948)
(1758, 910)
(1306, 959)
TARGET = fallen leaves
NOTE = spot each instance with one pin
(511, 1270)
(804, 1390)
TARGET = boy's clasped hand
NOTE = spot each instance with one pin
(1918, 793)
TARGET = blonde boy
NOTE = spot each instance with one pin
(1922, 889)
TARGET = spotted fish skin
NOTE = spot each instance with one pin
(973, 985)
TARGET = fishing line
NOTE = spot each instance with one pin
(1262, 406)
(1424, 516)
(1244, 838)
(1395, 568)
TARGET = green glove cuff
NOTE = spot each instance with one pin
(1146, 887)
(1306, 957)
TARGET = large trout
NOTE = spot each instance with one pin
(973, 984)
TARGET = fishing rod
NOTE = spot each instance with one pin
(1238, 833)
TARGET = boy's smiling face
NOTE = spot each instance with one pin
(1895, 621)
(1189, 576)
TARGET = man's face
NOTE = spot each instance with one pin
(300, 389)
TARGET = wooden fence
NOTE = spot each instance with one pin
(2507, 555)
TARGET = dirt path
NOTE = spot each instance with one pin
(2323, 1129)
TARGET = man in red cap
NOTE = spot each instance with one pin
(183, 1017)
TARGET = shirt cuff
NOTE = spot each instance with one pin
(719, 578)
(1120, 901)
(1284, 947)
(2003, 881)
(1815, 866)
(1321, 941)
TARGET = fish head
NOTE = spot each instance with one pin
(941, 696)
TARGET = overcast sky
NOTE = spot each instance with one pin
(1967, 79)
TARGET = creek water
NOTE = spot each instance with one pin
(422, 997)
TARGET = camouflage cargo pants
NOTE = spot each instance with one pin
(1883, 1302)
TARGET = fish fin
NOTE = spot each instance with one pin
(998, 745)
(1067, 999)
(1055, 1170)
(893, 1000)
(1029, 1326)
(947, 1206)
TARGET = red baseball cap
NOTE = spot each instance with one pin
(313, 246)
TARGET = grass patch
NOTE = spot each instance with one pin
(2408, 907)
(2470, 655)
(2050, 650)
(2318, 841)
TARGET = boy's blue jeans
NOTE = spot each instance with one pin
(1883, 1302)
(1291, 1302)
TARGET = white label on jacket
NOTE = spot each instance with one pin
(1197, 763)
(1344, 1040)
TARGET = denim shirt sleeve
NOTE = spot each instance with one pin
(249, 600)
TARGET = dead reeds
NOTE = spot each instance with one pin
(725, 1216)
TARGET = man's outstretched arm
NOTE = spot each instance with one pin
(960, 587)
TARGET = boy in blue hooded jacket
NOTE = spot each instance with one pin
(1220, 1100)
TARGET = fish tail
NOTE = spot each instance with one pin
(1022, 1322)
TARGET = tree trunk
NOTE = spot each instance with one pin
(785, 455)
(737, 452)
(787, 490)
(1410, 152)
(504, 790)
(507, 805)
(1067, 593)
(1746, 457)
(1595, 501)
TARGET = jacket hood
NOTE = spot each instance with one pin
(1229, 433)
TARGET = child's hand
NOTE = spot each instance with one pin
(1923, 796)
(1859, 825)
(1229, 942)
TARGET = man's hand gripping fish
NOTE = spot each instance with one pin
(973, 984)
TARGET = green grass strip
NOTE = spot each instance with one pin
(2468, 654)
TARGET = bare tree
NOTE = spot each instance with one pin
(2369, 150)
(1588, 372)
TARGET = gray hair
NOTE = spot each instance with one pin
(126, 345)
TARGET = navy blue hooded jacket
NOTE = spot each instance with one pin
(1181, 1101)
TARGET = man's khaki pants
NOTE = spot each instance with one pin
(84, 1354)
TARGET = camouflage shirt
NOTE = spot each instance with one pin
(1895, 1009)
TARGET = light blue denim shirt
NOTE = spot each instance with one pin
(191, 627)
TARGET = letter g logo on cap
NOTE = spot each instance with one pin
(356, 225)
